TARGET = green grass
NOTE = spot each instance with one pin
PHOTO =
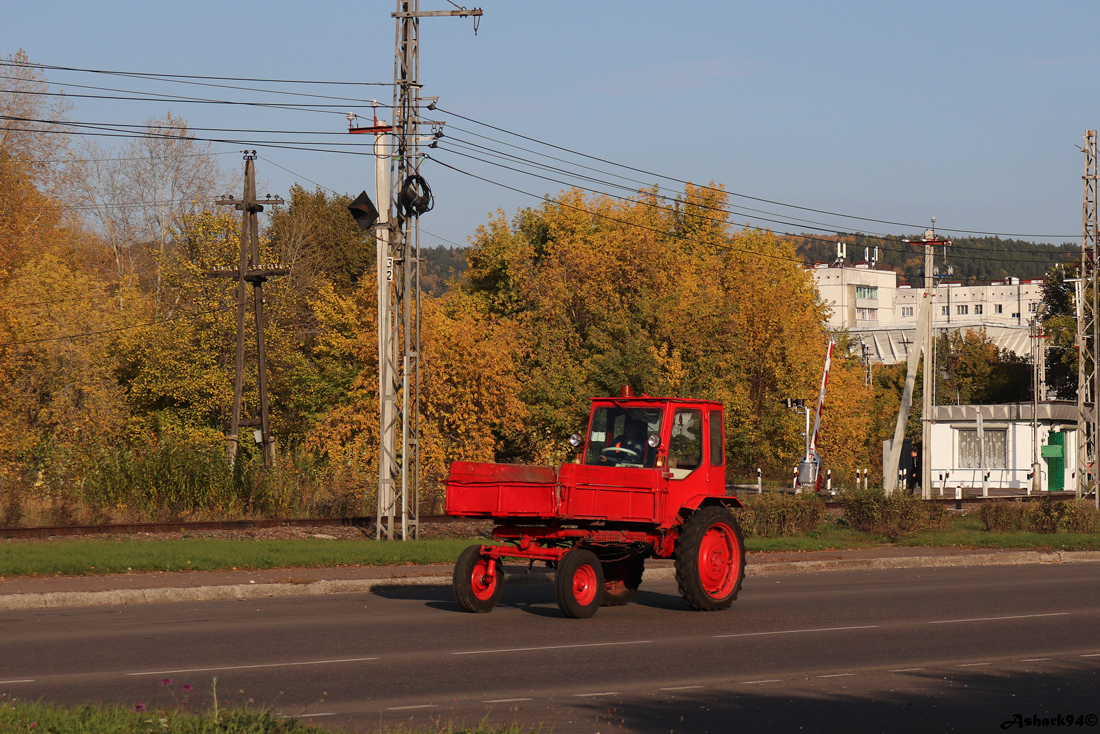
(964, 531)
(33, 718)
(91, 557)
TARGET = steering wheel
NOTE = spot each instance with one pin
(619, 452)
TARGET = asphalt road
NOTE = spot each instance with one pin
(922, 650)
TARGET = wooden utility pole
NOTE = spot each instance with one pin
(250, 270)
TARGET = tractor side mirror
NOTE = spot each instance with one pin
(575, 441)
(654, 440)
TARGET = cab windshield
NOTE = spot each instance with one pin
(618, 437)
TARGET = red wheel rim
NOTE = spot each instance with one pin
(719, 560)
(584, 585)
(482, 582)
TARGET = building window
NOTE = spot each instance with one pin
(1032, 307)
(866, 314)
(977, 309)
(906, 311)
(867, 291)
(998, 308)
(995, 449)
(944, 311)
(962, 310)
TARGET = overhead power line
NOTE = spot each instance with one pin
(886, 243)
(908, 225)
(154, 75)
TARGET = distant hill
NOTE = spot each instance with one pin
(440, 264)
(971, 259)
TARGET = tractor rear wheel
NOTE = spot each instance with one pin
(621, 580)
(578, 584)
(477, 590)
(710, 559)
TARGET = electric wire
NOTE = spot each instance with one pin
(733, 193)
(886, 243)
(205, 80)
(153, 75)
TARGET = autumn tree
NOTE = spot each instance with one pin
(138, 193)
(656, 294)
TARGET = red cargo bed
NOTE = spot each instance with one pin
(477, 489)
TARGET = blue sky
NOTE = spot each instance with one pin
(970, 112)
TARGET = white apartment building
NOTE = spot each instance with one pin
(868, 302)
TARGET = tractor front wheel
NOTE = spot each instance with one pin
(476, 589)
(710, 559)
(621, 580)
(578, 584)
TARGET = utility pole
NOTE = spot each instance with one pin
(399, 333)
(930, 241)
(250, 270)
(1088, 377)
(1038, 387)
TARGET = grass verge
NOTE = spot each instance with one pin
(92, 557)
(17, 716)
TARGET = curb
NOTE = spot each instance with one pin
(62, 599)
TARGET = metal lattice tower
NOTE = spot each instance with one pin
(1087, 344)
(399, 293)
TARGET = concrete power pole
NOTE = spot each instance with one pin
(251, 271)
(399, 332)
(930, 240)
(1087, 344)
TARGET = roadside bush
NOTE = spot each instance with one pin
(1044, 516)
(1003, 516)
(1081, 516)
(776, 514)
(871, 511)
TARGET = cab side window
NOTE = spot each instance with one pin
(685, 446)
(717, 439)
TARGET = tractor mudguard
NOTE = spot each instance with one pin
(699, 500)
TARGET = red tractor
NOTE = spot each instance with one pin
(650, 483)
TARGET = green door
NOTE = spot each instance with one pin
(1056, 464)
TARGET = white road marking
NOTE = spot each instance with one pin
(678, 688)
(970, 665)
(601, 693)
(769, 680)
(994, 619)
(906, 670)
(1033, 660)
(252, 667)
(24, 680)
(507, 700)
(1092, 655)
(406, 708)
(551, 647)
(836, 675)
(791, 632)
(301, 716)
